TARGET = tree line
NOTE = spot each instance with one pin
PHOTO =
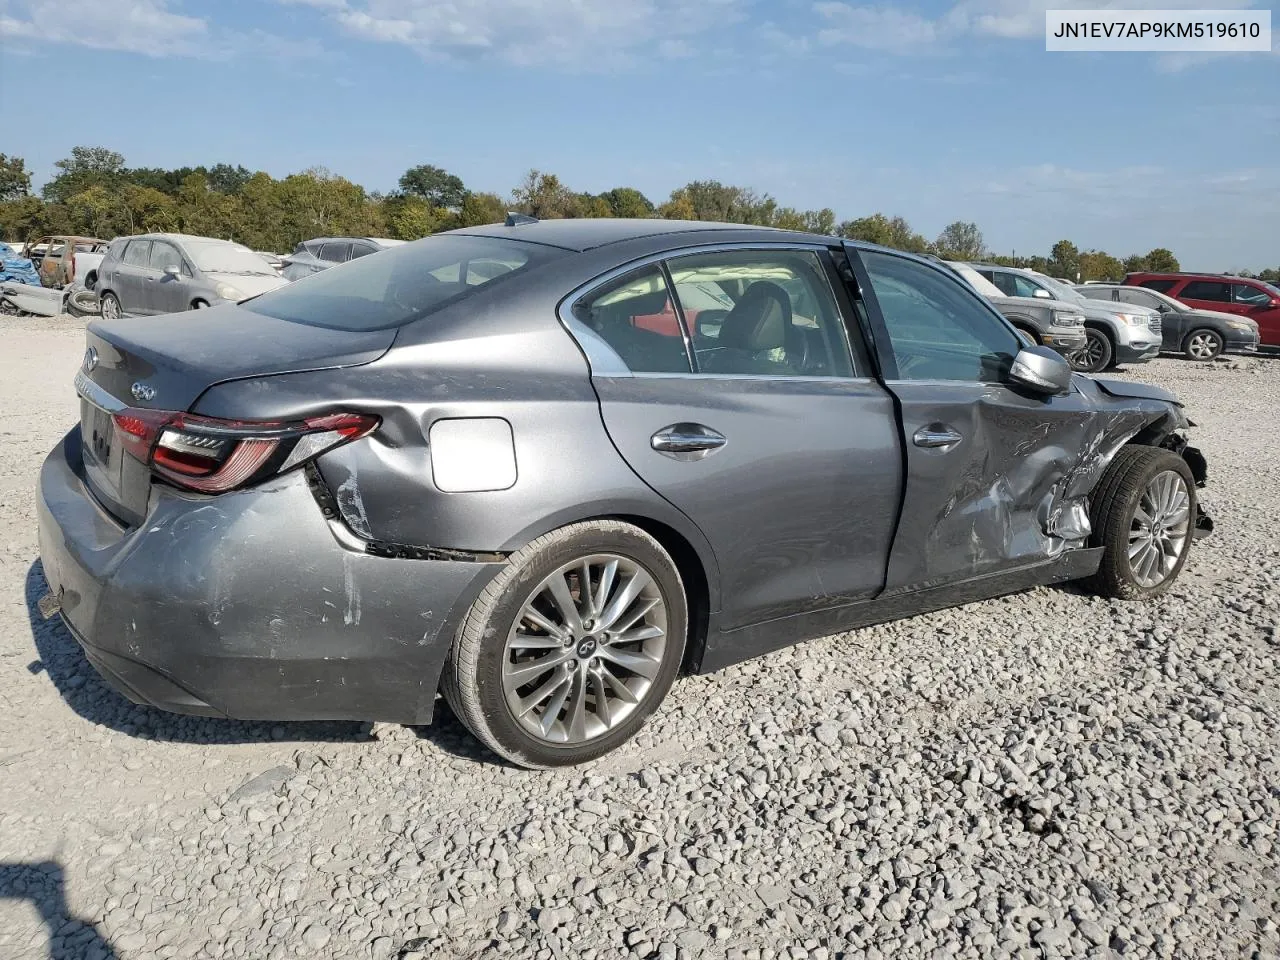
(95, 193)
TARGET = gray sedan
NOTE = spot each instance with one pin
(170, 272)
(542, 468)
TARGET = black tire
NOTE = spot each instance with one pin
(1097, 353)
(111, 306)
(1030, 332)
(199, 305)
(1203, 344)
(1113, 510)
(472, 680)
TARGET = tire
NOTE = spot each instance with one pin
(1096, 354)
(199, 305)
(483, 680)
(1129, 490)
(1030, 332)
(1203, 344)
(111, 307)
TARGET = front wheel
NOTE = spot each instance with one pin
(571, 647)
(1142, 513)
(199, 305)
(111, 307)
(1095, 356)
(1203, 345)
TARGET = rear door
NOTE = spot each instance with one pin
(131, 277)
(985, 463)
(1207, 295)
(762, 426)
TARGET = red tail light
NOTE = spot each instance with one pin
(213, 456)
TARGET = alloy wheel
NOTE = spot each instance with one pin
(1160, 527)
(1203, 346)
(584, 652)
(110, 307)
(1089, 357)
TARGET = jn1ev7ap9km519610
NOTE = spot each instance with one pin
(544, 467)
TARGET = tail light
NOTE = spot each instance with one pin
(212, 456)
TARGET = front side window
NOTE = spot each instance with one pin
(398, 286)
(1024, 287)
(635, 315)
(138, 253)
(1248, 296)
(164, 255)
(938, 329)
(1213, 290)
(762, 313)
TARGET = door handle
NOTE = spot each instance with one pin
(687, 441)
(936, 436)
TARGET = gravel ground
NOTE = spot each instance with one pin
(1046, 775)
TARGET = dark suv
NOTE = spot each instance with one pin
(1244, 296)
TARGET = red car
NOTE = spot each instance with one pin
(1255, 299)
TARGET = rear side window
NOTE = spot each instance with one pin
(137, 253)
(1161, 286)
(1207, 290)
(636, 316)
(399, 285)
(335, 252)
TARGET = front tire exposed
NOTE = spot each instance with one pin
(1143, 512)
(110, 307)
(571, 647)
(1096, 354)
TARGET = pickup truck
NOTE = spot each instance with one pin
(63, 260)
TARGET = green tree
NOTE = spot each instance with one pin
(15, 180)
(1064, 260)
(961, 241)
(436, 186)
(86, 167)
(542, 195)
(628, 202)
(1096, 265)
(892, 232)
(481, 208)
(713, 200)
(413, 218)
(29, 217)
(1161, 260)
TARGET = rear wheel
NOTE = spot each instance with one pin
(571, 647)
(111, 307)
(1095, 356)
(1142, 513)
(1202, 344)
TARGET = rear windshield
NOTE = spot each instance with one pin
(397, 286)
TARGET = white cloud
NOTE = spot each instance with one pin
(581, 34)
(134, 26)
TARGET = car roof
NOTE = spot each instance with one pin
(590, 233)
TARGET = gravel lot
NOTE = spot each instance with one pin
(1040, 776)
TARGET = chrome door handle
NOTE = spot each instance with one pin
(687, 441)
(936, 437)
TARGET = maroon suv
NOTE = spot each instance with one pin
(1255, 299)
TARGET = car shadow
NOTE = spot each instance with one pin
(62, 660)
(44, 885)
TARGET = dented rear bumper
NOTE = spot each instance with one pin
(245, 605)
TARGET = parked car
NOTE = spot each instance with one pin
(170, 272)
(312, 256)
(60, 260)
(1242, 296)
(1114, 334)
(1199, 334)
(463, 465)
(1050, 322)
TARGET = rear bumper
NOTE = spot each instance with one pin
(245, 605)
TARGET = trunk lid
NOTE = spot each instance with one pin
(173, 360)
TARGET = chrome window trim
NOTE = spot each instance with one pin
(604, 361)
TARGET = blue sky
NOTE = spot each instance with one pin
(938, 111)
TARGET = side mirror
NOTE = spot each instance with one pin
(1042, 294)
(1042, 371)
(173, 270)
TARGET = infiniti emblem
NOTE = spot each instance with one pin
(90, 360)
(141, 391)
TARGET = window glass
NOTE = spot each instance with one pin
(1140, 297)
(1161, 286)
(137, 253)
(1023, 287)
(1249, 296)
(762, 313)
(396, 287)
(1206, 290)
(335, 252)
(164, 255)
(56, 249)
(1006, 282)
(361, 250)
(938, 328)
(635, 316)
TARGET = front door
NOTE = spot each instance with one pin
(1260, 307)
(760, 425)
(986, 464)
(167, 293)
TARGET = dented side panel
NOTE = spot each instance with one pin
(1015, 487)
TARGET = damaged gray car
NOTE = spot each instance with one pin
(543, 468)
